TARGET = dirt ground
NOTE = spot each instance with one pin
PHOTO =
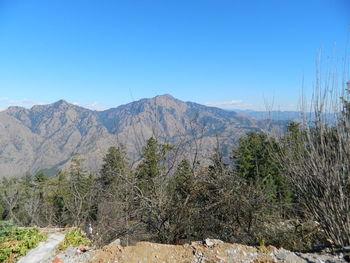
(206, 251)
(196, 252)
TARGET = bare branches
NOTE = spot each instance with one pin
(316, 158)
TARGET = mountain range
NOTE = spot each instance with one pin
(45, 137)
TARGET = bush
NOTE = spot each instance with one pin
(75, 238)
(6, 227)
(292, 235)
(15, 242)
(316, 159)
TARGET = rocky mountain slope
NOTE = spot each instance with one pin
(47, 136)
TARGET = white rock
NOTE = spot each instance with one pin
(212, 242)
(116, 242)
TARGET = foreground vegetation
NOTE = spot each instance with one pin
(290, 191)
(74, 238)
(15, 242)
(158, 200)
(163, 202)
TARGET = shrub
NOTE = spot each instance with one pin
(75, 238)
(15, 242)
(292, 235)
(316, 158)
(6, 227)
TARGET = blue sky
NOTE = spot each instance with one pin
(231, 54)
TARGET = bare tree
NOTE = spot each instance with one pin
(10, 192)
(78, 193)
(316, 157)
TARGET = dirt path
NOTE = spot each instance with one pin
(45, 249)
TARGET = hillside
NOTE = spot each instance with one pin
(47, 136)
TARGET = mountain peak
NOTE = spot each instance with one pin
(61, 103)
(15, 108)
(165, 96)
(58, 105)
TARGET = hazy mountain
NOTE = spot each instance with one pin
(273, 115)
(47, 136)
(288, 116)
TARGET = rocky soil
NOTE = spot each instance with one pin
(209, 251)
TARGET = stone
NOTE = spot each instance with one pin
(84, 249)
(272, 248)
(288, 257)
(116, 242)
(212, 242)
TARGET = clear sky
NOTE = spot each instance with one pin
(229, 53)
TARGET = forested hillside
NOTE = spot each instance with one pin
(47, 136)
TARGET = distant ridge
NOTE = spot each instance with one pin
(274, 115)
(47, 136)
(288, 116)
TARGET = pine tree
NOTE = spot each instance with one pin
(151, 186)
(116, 196)
(181, 183)
(180, 204)
(255, 161)
(78, 193)
(150, 173)
(115, 167)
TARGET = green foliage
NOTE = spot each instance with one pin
(153, 167)
(77, 192)
(6, 227)
(11, 193)
(66, 199)
(316, 159)
(181, 183)
(255, 161)
(166, 201)
(40, 178)
(115, 198)
(2, 210)
(152, 179)
(294, 140)
(114, 167)
(179, 206)
(15, 242)
(75, 238)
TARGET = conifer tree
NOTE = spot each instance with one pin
(153, 168)
(78, 193)
(255, 161)
(114, 167)
(116, 196)
(151, 187)
(181, 183)
(180, 204)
